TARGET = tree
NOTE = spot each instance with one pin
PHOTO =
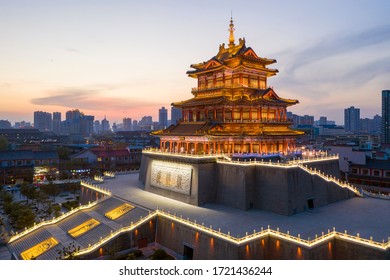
(57, 209)
(41, 198)
(22, 215)
(6, 197)
(160, 254)
(51, 190)
(3, 143)
(28, 191)
(69, 252)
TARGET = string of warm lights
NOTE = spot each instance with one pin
(95, 187)
(98, 178)
(221, 157)
(109, 174)
(54, 220)
(331, 234)
(113, 234)
(328, 178)
(278, 234)
(256, 235)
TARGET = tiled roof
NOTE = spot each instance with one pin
(200, 101)
(189, 128)
(16, 155)
(45, 155)
(111, 153)
(375, 164)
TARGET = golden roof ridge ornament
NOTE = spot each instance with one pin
(231, 31)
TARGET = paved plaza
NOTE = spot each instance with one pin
(366, 216)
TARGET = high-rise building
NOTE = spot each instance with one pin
(43, 121)
(57, 123)
(5, 124)
(146, 120)
(163, 117)
(86, 128)
(372, 126)
(114, 127)
(323, 121)
(385, 117)
(306, 120)
(351, 119)
(376, 124)
(97, 128)
(127, 123)
(176, 115)
(135, 126)
(23, 124)
(146, 123)
(105, 125)
(73, 122)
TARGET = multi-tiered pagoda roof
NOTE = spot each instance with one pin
(232, 109)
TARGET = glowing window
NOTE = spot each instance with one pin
(119, 211)
(83, 228)
(39, 249)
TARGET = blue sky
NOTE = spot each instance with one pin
(128, 58)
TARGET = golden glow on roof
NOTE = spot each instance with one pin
(39, 249)
(83, 228)
(119, 211)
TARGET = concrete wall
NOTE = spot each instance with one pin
(235, 185)
(271, 189)
(330, 167)
(87, 195)
(127, 240)
(284, 191)
(303, 186)
(174, 236)
(207, 185)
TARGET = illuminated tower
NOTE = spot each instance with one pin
(233, 109)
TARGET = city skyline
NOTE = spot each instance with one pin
(112, 59)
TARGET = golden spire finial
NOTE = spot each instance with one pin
(231, 30)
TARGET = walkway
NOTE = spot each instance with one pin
(366, 216)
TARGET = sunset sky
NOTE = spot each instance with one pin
(129, 58)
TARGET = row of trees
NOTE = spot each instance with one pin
(22, 215)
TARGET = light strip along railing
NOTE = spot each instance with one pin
(109, 174)
(113, 234)
(223, 158)
(300, 164)
(309, 243)
(278, 234)
(331, 179)
(67, 214)
(55, 220)
(213, 232)
(95, 187)
(182, 155)
(284, 164)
